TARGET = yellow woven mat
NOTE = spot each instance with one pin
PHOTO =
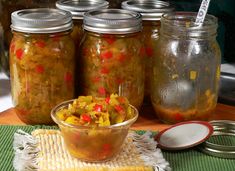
(44, 150)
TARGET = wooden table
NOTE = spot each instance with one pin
(146, 121)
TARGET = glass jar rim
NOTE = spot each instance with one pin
(112, 21)
(182, 24)
(150, 10)
(62, 123)
(186, 20)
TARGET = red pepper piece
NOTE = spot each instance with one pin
(40, 44)
(39, 69)
(142, 51)
(122, 57)
(85, 51)
(86, 117)
(106, 55)
(106, 150)
(149, 51)
(56, 38)
(104, 70)
(68, 77)
(102, 91)
(106, 147)
(110, 39)
(12, 47)
(95, 79)
(118, 108)
(107, 100)
(122, 100)
(98, 108)
(119, 80)
(19, 53)
(178, 117)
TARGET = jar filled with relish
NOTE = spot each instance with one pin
(77, 8)
(6, 8)
(186, 69)
(151, 12)
(110, 55)
(42, 62)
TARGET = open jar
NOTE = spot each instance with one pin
(186, 69)
(151, 12)
(110, 55)
(42, 62)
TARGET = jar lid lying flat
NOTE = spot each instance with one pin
(149, 9)
(79, 7)
(184, 135)
(41, 20)
(112, 21)
(223, 145)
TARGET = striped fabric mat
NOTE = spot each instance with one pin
(186, 160)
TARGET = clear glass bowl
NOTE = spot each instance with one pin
(93, 144)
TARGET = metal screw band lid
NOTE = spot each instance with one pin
(79, 7)
(41, 20)
(112, 21)
(149, 9)
(221, 128)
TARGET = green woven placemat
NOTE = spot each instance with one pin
(187, 160)
(6, 147)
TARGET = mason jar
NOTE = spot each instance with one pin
(151, 12)
(77, 8)
(42, 62)
(186, 69)
(6, 8)
(110, 55)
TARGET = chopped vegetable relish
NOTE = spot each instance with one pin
(42, 74)
(93, 111)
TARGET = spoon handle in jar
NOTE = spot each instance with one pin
(202, 12)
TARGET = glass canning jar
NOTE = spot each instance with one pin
(42, 62)
(186, 69)
(77, 8)
(6, 8)
(151, 12)
(110, 55)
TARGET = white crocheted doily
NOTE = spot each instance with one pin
(44, 150)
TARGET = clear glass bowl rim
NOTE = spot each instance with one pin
(66, 103)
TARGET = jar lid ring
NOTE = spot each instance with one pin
(221, 128)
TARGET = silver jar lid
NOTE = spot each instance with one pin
(222, 149)
(41, 20)
(79, 7)
(112, 21)
(149, 9)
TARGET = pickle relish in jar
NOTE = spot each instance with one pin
(41, 62)
(151, 12)
(110, 54)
